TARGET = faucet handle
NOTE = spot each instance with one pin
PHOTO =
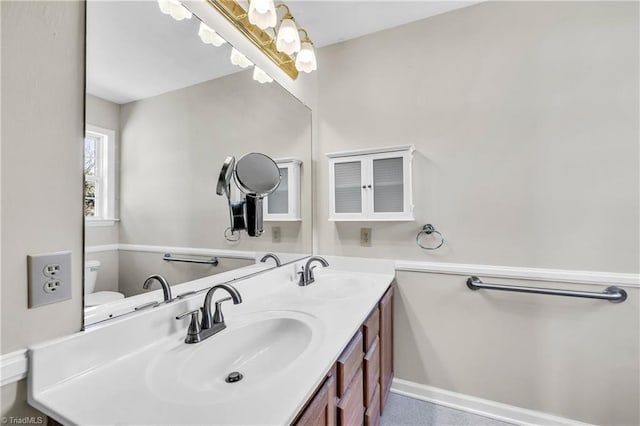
(217, 315)
(300, 275)
(193, 333)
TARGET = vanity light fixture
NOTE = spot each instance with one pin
(306, 58)
(209, 36)
(261, 76)
(287, 38)
(175, 9)
(239, 59)
(262, 13)
(283, 45)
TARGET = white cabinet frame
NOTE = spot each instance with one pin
(366, 159)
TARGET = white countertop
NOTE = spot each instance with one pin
(106, 376)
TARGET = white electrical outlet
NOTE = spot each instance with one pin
(49, 278)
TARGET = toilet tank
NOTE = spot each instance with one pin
(91, 268)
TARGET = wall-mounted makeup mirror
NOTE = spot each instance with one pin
(164, 108)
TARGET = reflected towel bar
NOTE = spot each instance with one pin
(210, 261)
(612, 294)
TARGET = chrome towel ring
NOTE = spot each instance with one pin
(428, 229)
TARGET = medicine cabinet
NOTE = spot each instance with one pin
(372, 184)
(284, 203)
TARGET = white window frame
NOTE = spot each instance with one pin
(105, 177)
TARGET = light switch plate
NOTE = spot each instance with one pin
(49, 278)
(365, 237)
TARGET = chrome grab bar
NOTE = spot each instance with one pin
(612, 294)
(210, 261)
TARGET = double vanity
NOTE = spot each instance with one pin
(287, 353)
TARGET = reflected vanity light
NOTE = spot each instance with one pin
(261, 76)
(175, 9)
(209, 36)
(239, 59)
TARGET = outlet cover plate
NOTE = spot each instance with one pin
(276, 235)
(49, 278)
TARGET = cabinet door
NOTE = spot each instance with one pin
(389, 186)
(386, 346)
(321, 410)
(347, 199)
(284, 203)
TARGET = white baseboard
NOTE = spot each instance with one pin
(482, 407)
(13, 367)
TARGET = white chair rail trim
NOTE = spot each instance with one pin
(522, 273)
(14, 366)
(234, 254)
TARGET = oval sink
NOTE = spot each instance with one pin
(334, 286)
(259, 346)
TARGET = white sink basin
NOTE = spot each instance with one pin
(334, 285)
(260, 346)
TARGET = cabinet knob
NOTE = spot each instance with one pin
(364, 186)
(369, 186)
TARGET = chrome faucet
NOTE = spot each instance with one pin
(306, 275)
(271, 256)
(166, 289)
(211, 324)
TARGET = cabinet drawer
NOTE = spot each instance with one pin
(349, 363)
(372, 415)
(371, 328)
(350, 407)
(371, 371)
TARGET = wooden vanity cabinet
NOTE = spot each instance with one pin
(357, 387)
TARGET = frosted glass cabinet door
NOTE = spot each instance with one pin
(388, 185)
(283, 204)
(347, 186)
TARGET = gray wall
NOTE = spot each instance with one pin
(42, 123)
(525, 120)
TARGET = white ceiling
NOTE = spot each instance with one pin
(134, 51)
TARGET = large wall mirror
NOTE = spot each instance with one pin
(164, 108)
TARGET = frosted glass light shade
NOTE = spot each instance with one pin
(306, 58)
(209, 36)
(262, 13)
(261, 76)
(288, 40)
(175, 9)
(239, 59)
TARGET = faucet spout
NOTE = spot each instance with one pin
(271, 256)
(307, 277)
(166, 289)
(207, 317)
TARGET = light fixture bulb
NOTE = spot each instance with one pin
(261, 76)
(239, 59)
(288, 40)
(209, 36)
(262, 13)
(175, 9)
(306, 58)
